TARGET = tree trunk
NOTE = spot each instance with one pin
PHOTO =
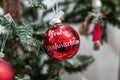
(14, 8)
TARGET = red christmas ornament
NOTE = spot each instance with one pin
(61, 42)
(96, 32)
(96, 36)
(6, 72)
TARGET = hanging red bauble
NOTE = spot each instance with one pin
(96, 32)
(96, 36)
(6, 72)
(61, 42)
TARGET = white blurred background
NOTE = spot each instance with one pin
(106, 62)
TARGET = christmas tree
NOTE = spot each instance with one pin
(24, 47)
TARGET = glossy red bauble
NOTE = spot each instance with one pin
(61, 42)
(6, 72)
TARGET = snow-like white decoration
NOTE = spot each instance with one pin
(3, 30)
(26, 77)
(96, 3)
(49, 3)
(1, 11)
(44, 69)
(26, 3)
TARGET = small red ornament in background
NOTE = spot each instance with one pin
(6, 72)
(61, 42)
(96, 36)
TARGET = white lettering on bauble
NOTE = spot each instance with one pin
(56, 46)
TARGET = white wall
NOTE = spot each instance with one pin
(105, 66)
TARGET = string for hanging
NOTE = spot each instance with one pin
(57, 6)
(55, 11)
(58, 14)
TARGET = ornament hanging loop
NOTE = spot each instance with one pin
(56, 9)
(57, 6)
(58, 14)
